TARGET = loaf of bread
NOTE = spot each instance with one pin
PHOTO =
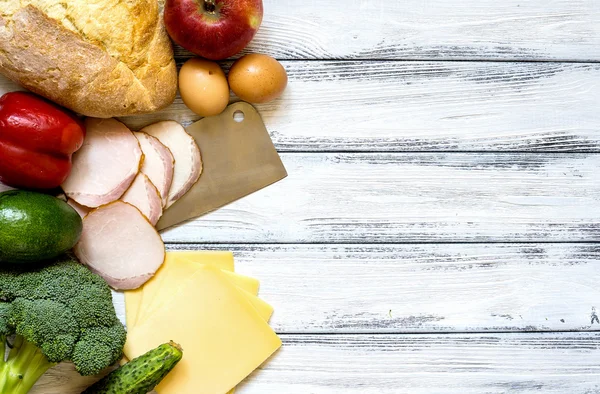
(100, 58)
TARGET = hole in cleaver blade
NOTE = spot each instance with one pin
(238, 158)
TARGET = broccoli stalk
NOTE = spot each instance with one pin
(59, 312)
(24, 366)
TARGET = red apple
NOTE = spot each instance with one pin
(213, 29)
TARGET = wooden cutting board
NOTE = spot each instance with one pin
(238, 158)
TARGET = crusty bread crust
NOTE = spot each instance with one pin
(79, 73)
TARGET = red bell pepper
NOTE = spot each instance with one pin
(37, 140)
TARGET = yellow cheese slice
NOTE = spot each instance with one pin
(264, 309)
(248, 283)
(135, 298)
(223, 337)
(221, 259)
(178, 272)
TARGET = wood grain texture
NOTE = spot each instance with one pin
(529, 363)
(434, 29)
(417, 106)
(422, 288)
(416, 364)
(406, 198)
(63, 379)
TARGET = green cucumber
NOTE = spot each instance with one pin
(142, 374)
(35, 227)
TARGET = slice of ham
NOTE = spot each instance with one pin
(4, 188)
(188, 163)
(105, 166)
(80, 209)
(143, 195)
(159, 164)
(119, 244)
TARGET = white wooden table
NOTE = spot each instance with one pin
(439, 230)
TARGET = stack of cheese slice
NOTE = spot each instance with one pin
(197, 300)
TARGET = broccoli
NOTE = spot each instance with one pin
(53, 313)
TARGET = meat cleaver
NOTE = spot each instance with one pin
(238, 158)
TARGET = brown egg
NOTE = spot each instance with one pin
(257, 78)
(203, 87)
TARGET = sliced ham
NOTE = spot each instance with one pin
(80, 209)
(188, 163)
(159, 164)
(4, 187)
(143, 195)
(106, 164)
(119, 244)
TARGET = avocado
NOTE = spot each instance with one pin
(35, 227)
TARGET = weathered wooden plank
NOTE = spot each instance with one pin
(423, 288)
(552, 363)
(405, 198)
(416, 106)
(63, 379)
(415, 364)
(435, 29)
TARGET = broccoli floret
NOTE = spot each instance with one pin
(53, 313)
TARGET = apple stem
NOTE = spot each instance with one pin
(210, 6)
